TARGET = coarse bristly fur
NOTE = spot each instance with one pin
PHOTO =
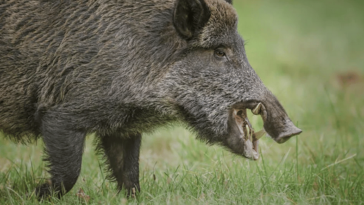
(119, 68)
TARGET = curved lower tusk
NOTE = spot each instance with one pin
(259, 134)
(256, 110)
(248, 132)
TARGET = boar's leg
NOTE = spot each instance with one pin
(64, 148)
(122, 154)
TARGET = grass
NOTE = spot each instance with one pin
(310, 54)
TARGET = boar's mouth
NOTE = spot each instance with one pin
(277, 125)
(247, 134)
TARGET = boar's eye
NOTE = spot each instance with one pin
(219, 53)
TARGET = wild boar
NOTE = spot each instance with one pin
(118, 68)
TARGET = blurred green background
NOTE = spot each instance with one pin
(310, 54)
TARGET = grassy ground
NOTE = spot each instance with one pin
(311, 55)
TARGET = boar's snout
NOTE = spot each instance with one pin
(276, 121)
(291, 130)
(281, 130)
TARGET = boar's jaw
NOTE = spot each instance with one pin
(242, 139)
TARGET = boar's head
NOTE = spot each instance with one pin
(213, 84)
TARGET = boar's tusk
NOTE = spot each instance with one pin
(248, 133)
(259, 134)
(256, 110)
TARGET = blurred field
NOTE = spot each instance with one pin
(311, 55)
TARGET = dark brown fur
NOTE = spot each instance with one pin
(119, 68)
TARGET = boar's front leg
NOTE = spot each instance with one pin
(122, 154)
(64, 148)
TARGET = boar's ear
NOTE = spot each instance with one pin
(229, 1)
(190, 16)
